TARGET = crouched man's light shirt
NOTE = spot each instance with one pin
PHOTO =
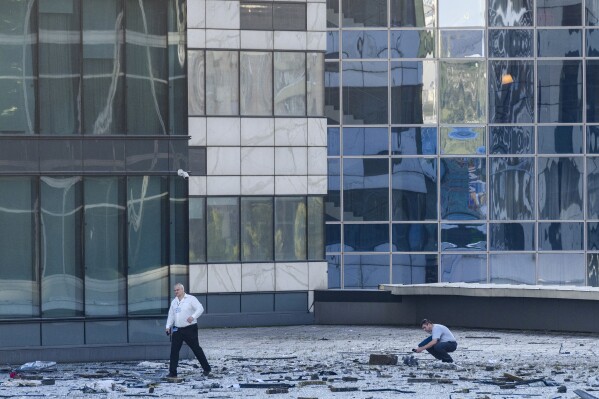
(180, 311)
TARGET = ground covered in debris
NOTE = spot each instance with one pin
(334, 362)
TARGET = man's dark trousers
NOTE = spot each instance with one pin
(189, 335)
(440, 349)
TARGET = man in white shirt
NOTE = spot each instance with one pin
(182, 326)
(440, 342)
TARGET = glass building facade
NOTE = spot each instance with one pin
(462, 142)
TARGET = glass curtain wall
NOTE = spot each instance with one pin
(459, 145)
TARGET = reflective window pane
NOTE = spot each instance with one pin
(414, 269)
(593, 187)
(222, 84)
(333, 141)
(18, 218)
(290, 228)
(365, 141)
(178, 233)
(332, 93)
(414, 189)
(511, 42)
(511, 92)
(255, 16)
(593, 139)
(365, 44)
(334, 271)
(315, 84)
(256, 229)
(559, 42)
(104, 213)
(197, 230)
(333, 197)
(290, 84)
(366, 237)
(60, 237)
(463, 188)
(512, 269)
(592, 42)
(360, 13)
(463, 237)
(255, 83)
(412, 43)
(413, 92)
(561, 236)
(462, 92)
(463, 140)
(18, 55)
(316, 228)
(196, 89)
(177, 68)
(412, 13)
(561, 269)
(592, 270)
(148, 215)
(559, 86)
(462, 43)
(197, 161)
(463, 13)
(19, 155)
(333, 236)
(511, 12)
(60, 155)
(414, 237)
(512, 194)
(413, 141)
(592, 75)
(512, 237)
(365, 93)
(144, 155)
(593, 236)
(365, 271)
(366, 189)
(467, 268)
(559, 12)
(222, 231)
(332, 13)
(104, 155)
(559, 139)
(332, 52)
(560, 188)
(511, 140)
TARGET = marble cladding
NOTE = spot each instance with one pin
(258, 131)
(291, 161)
(223, 161)
(257, 185)
(258, 160)
(257, 39)
(222, 14)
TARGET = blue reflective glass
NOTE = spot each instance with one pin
(511, 189)
(511, 92)
(365, 44)
(559, 88)
(593, 188)
(366, 189)
(360, 13)
(511, 140)
(462, 43)
(561, 236)
(365, 141)
(334, 271)
(333, 237)
(463, 140)
(559, 42)
(414, 184)
(559, 139)
(464, 268)
(560, 182)
(512, 237)
(414, 269)
(332, 45)
(332, 93)
(592, 43)
(463, 237)
(412, 44)
(559, 12)
(413, 141)
(365, 91)
(593, 139)
(414, 237)
(561, 269)
(593, 236)
(511, 13)
(412, 13)
(365, 271)
(592, 270)
(511, 43)
(333, 141)
(412, 86)
(463, 188)
(366, 237)
(592, 74)
(512, 269)
(332, 205)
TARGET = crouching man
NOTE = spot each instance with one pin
(440, 342)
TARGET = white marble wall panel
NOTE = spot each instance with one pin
(223, 131)
(196, 13)
(291, 161)
(291, 131)
(317, 274)
(317, 161)
(257, 185)
(317, 132)
(316, 14)
(257, 161)
(223, 161)
(223, 185)
(257, 39)
(291, 185)
(257, 277)
(222, 14)
(197, 185)
(290, 40)
(198, 279)
(316, 41)
(291, 276)
(196, 90)
(197, 131)
(196, 38)
(257, 131)
(222, 39)
(317, 185)
(224, 277)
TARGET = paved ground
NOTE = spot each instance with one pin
(314, 360)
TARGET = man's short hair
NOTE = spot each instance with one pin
(180, 285)
(425, 321)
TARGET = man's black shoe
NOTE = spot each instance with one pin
(171, 375)
(447, 361)
(206, 372)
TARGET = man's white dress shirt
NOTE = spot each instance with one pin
(181, 310)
